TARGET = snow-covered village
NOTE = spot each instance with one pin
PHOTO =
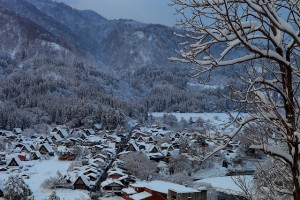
(149, 100)
(145, 162)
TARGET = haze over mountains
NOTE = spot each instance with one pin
(62, 65)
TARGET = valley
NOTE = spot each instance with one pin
(99, 163)
(96, 108)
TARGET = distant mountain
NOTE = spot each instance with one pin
(117, 43)
(45, 79)
(62, 65)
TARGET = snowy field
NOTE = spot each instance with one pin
(38, 171)
(111, 198)
(218, 120)
(205, 86)
(229, 183)
(213, 171)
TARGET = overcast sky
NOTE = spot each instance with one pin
(148, 11)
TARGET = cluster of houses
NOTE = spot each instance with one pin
(119, 182)
(89, 148)
(95, 154)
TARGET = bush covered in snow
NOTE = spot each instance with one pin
(54, 182)
(53, 196)
(16, 189)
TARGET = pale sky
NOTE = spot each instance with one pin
(147, 11)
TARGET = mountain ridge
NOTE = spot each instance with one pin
(80, 67)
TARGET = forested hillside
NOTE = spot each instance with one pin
(61, 65)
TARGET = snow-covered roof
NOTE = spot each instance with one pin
(91, 131)
(17, 130)
(116, 169)
(98, 126)
(9, 134)
(55, 129)
(27, 147)
(57, 137)
(63, 149)
(139, 184)
(163, 187)
(64, 132)
(48, 139)
(93, 175)
(98, 146)
(110, 181)
(100, 155)
(18, 161)
(129, 191)
(48, 147)
(93, 165)
(151, 147)
(98, 160)
(116, 172)
(17, 150)
(37, 153)
(93, 138)
(166, 145)
(84, 179)
(110, 151)
(141, 138)
(134, 145)
(155, 155)
(140, 196)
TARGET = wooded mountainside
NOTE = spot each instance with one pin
(65, 66)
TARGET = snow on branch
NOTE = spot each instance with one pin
(274, 151)
(230, 136)
(260, 29)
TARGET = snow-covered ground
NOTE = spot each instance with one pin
(214, 171)
(41, 170)
(228, 183)
(63, 194)
(204, 86)
(111, 198)
(218, 120)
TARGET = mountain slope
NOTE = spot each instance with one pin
(118, 43)
(26, 10)
(44, 80)
(62, 65)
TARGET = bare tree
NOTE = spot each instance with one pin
(180, 163)
(139, 165)
(262, 38)
(273, 180)
(57, 181)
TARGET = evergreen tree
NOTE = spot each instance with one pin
(16, 189)
(53, 196)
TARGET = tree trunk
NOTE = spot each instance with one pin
(296, 192)
(295, 170)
